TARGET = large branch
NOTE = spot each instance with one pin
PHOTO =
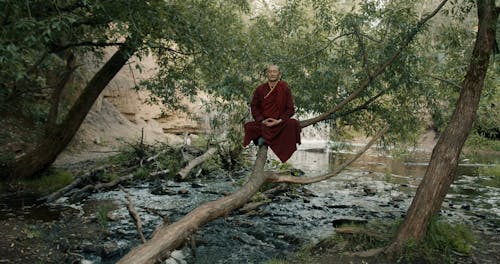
(168, 238)
(377, 72)
(182, 174)
(309, 180)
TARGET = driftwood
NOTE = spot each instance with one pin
(182, 174)
(135, 216)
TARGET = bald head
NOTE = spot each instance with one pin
(273, 73)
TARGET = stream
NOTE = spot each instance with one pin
(375, 187)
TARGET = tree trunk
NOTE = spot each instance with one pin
(444, 159)
(56, 141)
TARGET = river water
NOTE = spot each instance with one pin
(376, 187)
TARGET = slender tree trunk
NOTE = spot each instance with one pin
(444, 159)
(56, 140)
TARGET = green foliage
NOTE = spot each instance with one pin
(493, 172)
(32, 232)
(439, 244)
(50, 181)
(374, 234)
(141, 173)
(442, 238)
(102, 212)
(211, 165)
(259, 197)
(476, 142)
(276, 261)
(109, 176)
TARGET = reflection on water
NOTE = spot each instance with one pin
(313, 158)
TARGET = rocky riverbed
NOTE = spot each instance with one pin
(100, 230)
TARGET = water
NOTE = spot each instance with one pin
(374, 187)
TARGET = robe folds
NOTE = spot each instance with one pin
(278, 104)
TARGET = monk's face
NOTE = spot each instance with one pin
(273, 73)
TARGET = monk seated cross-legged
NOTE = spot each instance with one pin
(272, 108)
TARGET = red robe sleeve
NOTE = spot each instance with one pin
(289, 110)
(256, 105)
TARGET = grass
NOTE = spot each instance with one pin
(475, 143)
(493, 172)
(441, 244)
(102, 212)
(50, 181)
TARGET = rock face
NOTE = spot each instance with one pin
(122, 114)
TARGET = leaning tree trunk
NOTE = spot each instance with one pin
(56, 140)
(444, 159)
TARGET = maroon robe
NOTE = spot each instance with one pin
(278, 104)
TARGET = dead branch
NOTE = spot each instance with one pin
(157, 173)
(182, 174)
(252, 206)
(83, 192)
(63, 191)
(134, 215)
(308, 180)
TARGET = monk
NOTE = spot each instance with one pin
(272, 108)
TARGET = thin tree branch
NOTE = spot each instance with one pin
(309, 180)
(445, 81)
(364, 105)
(361, 45)
(378, 71)
(56, 93)
(133, 213)
(330, 42)
(57, 48)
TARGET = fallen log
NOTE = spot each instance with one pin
(182, 174)
(83, 192)
(63, 191)
(165, 240)
(135, 216)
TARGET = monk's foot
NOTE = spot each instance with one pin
(261, 141)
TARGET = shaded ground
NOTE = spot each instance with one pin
(58, 240)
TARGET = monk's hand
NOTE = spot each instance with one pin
(272, 122)
(267, 121)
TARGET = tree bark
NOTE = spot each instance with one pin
(444, 159)
(45, 153)
(182, 174)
